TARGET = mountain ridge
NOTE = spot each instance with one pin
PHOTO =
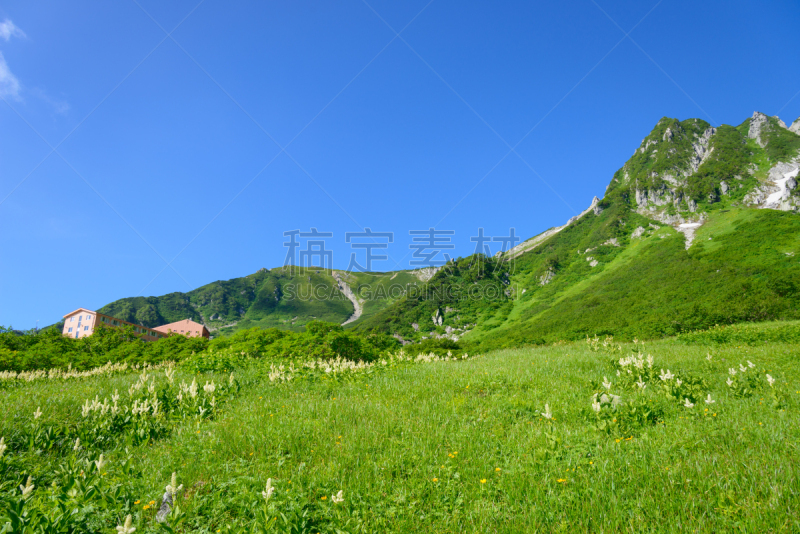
(685, 178)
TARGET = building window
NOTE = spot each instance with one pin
(76, 335)
(85, 328)
(70, 329)
(72, 318)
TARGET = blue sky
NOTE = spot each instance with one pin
(154, 147)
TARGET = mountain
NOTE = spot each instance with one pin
(282, 297)
(699, 227)
(680, 241)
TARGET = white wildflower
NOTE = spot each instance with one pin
(213, 402)
(170, 372)
(100, 462)
(193, 389)
(596, 406)
(127, 528)
(649, 361)
(709, 357)
(729, 382)
(678, 382)
(618, 373)
(770, 380)
(615, 400)
(606, 383)
(209, 388)
(86, 409)
(173, 488)
(155, 405)
(339, 497)
(666, 376)
(115, 396)
(27, 488)
(3, 446)
(641, 383)
(742, 368)
(709, 400)
(77, 445)
(38, 413)
(202, 411)
(687, 403)
(230, 380)
(750, 364)
(732, 371)
(547, 414)
(268, 491)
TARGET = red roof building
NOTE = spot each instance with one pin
(187, 327)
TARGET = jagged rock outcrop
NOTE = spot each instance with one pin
(795, 127)
(546, 277)
(758, 124)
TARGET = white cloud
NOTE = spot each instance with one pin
(9, 84)
(8, 30)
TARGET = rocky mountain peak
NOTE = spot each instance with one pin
(758, 124)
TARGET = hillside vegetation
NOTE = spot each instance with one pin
(545, 439)
(625, 267)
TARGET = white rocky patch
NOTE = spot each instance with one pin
(688, 230)
(780, 175)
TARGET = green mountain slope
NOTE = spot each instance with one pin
(680, 241)
(283, 298)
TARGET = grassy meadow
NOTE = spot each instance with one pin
(548, 439)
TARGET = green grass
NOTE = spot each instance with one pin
(475, 426)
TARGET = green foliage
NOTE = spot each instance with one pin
(444, 446)
(50, 349)
(469, 286)
(745, 334)
(660, 289)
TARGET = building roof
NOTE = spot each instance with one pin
(187, 325)
(79, 310)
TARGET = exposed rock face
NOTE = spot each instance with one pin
(437, 318)
(613, 242)
(546, 277)
(638, 232)
(701, 151)
(758, 123)
(426, 273)
(775, 194)
(723, 186)
(415, 326)
(795, 127)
